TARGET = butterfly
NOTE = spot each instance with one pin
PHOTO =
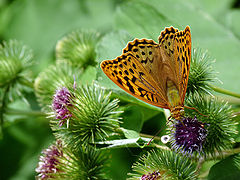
(156, 73)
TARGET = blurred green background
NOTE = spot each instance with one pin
(39, 24)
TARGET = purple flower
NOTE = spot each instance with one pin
(189, 135)
(61, 102)
(49, 161)
(151, 176)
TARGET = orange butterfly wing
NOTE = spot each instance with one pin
(176, 46)
(130, 74)
(144, 67)
(182, 55)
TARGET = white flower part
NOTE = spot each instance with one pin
(165, 139)
(67, 123)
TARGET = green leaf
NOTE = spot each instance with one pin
(228, 168)
(142, 142)
(129, 134)
(217, 9)
(139, 19)
(31, 18)
(233, 22)
(110, 47)
(123, 143)
(88, 75)
(146, 19)
(133, 118)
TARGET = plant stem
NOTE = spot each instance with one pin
(28, 113)
(199, 166)
(162, 147)
(224, 91)
(3, 109)
(225, 153)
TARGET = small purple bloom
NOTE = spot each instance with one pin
(189, 135)
(61, 102)
(151, 176)
(48, 162)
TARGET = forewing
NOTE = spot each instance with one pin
(182, 56)
(132, 71)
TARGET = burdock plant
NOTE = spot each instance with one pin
(163, 164)
(60, 162)
(78, 47)
(60, 74)
(189, 135)
(91, 115)
(218, 122)
(15, 74)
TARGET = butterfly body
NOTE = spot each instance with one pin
(175, 105)
(156, 73)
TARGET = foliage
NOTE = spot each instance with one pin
(84, 33)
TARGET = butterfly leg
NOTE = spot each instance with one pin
(195, 110)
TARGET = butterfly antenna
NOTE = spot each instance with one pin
(196, 110)
(158, 131)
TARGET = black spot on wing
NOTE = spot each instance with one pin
(148, 97)
(183, 58)
(129, 46)
(141, 73)
(142, 91)
(187, 64)
(130, 87)
(144, 61)
(134, 79)
(130, 69)
(119, 80)
(134, 66)
(126, 78)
